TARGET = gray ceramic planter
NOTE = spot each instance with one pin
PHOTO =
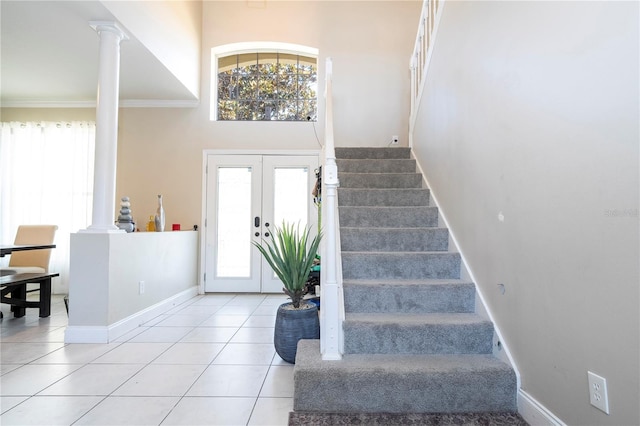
(293, 325)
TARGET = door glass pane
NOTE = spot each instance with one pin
(291, 195)
(234, 222)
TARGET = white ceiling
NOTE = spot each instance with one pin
(49, 57)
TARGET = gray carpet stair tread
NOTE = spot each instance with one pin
(400, 364)
(419, 282)
(416, 319)
(402, 165)
(383, 191)
(400, 265)
(394, 239)
(369, 153)
(391, 208)
(373, 217)
(393, 228)
(401, 382)
(379, 175)
(383, 196)
(404, 253)
(421, 333)
(409, 296)
(380, 180)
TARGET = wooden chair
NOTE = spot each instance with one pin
(32, 265)
(31, 261)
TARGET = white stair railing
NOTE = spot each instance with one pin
(331, 297)
(419, 62)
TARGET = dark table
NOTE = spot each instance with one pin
(9, 248)
(13, 290)
(6, 249)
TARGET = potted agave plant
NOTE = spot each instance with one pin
(290, 253)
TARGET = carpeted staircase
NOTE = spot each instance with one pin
(413, 342)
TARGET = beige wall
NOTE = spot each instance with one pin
(531, 114)
(160, 149)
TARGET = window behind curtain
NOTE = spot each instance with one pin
(46, 177)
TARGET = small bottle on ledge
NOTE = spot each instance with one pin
(151, 226)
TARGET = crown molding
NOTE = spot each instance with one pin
(126, 103)
(166, 103)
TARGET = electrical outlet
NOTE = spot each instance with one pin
(394, 140)
(598, 392)
(141, 287)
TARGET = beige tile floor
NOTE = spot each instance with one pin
(209, 361)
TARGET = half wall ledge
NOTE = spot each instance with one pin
(118, 281)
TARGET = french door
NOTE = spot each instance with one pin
(247, 196)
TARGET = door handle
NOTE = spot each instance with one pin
(256, 222)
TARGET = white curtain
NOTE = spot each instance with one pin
(46, 177)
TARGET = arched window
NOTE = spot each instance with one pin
(265, 81)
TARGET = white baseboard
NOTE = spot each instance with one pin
(86, 334)
(108, 333)
(535, 413)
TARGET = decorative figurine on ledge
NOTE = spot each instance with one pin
(125, 219)
(159, 218)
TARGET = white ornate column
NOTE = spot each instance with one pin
(104, 180)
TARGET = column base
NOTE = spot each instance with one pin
(97, 229)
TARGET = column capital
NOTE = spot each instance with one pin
(110, 26)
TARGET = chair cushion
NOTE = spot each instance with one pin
(21, 270)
